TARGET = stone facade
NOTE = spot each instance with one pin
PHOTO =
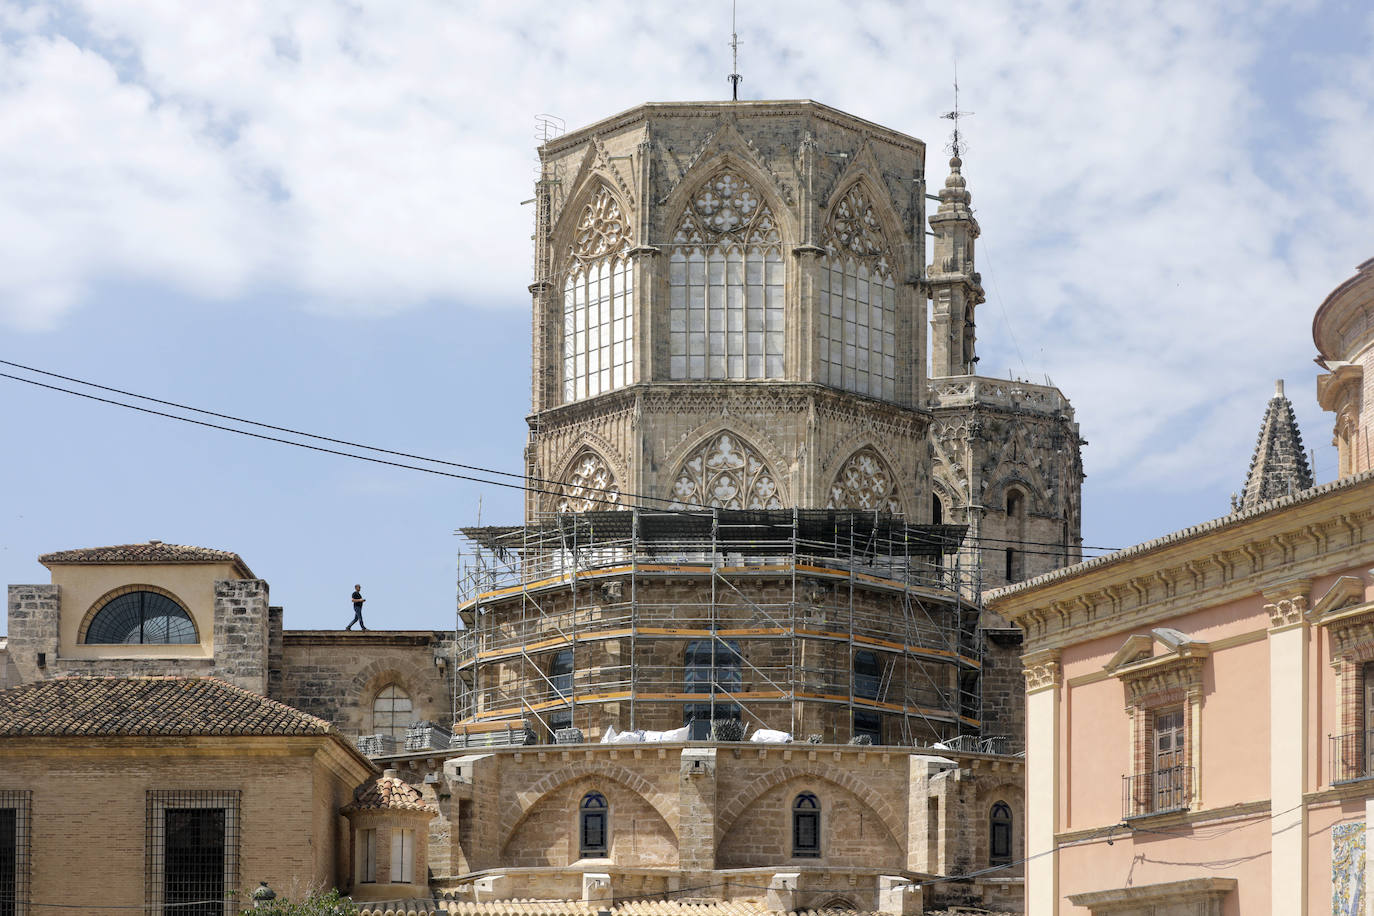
(718, 817)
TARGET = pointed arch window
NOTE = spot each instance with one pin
(865, 483)
(725, 473)
(725, 286)
(598, 320)
(857, 327)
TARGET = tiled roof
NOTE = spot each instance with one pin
(150, 552)
(388, 793)
(146, 706)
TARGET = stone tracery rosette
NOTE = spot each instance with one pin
(864, 483)
(727, 208)
(725, 473)
(853, 228)
(601, 229)
(590, 485)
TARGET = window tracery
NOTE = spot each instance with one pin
(590, 485)
(725, 473)
(598, 325)
(858, 301)
(864, 483)
(725, 283)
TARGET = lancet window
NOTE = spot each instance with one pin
(598, 321)
(725, 285)
(857, 326)
(725, 473)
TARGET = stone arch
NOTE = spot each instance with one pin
(528, 799)
(705, 169)
(565, 226)
(701, 442)
(99, 605)
(838, 902)
(368, 682)
(587, 445)
(862, 176)
(1032, 492)
(853, 450)
(892, 820)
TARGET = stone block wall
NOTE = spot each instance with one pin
(33, 619)
(1003, 686)
(241, 633)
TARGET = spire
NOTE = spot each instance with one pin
(956, 289)
(1279, 466)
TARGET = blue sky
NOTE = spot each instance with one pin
(309, 214)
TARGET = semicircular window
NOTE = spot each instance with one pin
(142, 617)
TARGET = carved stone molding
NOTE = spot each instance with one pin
(1042, 671)
(1286, 603)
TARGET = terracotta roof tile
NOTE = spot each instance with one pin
(388, 792)
(150, 552)
(146, 706)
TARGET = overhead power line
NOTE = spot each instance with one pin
(608, 497)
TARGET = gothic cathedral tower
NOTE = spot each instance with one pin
(729, 310)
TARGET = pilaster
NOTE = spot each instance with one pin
(1286, 604)
(1044, 686)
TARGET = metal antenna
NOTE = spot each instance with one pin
(734, 77)
(956, 144)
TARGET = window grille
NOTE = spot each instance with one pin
(191, 856)
(806, 826)
(594, 827)
(142, 617)
(999, 840)
(15, 833)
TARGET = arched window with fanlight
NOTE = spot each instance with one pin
(594, 826)
(725, 285)
(857, 318)
(598, 296)
(999, 834)
(392, 711)
(806, 826)
(141, 617)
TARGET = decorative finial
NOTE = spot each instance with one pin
(1278, 388)
(734, 76)
(956, 144)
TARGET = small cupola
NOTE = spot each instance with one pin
(389, 829)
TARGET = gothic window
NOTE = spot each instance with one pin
(806, 826)
(999, 834)
(593, 826)
(725, 286)
(857, 329)
(141, 617)
(726, 474)
(864, 483)
(867, 675)
(590, 485)
(392, 713)
(598, 325)
(561, 672)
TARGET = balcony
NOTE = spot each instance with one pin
(1350, 756)
(1157, 792)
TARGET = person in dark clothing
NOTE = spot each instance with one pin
(358, 600)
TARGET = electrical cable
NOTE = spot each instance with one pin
(615, 501)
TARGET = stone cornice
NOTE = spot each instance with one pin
(1311, 533)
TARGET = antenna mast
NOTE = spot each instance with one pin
(956, 144)
(734, 77)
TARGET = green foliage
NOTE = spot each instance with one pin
(316, 903)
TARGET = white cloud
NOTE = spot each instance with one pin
(371, 159)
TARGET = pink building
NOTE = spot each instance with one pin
(1200, 708)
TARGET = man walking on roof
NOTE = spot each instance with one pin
(358, 600)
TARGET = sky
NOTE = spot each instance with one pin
(309, 214)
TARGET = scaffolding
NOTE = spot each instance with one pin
(795, 609)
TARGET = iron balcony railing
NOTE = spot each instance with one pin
(1169, 789)
(1350, 756)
